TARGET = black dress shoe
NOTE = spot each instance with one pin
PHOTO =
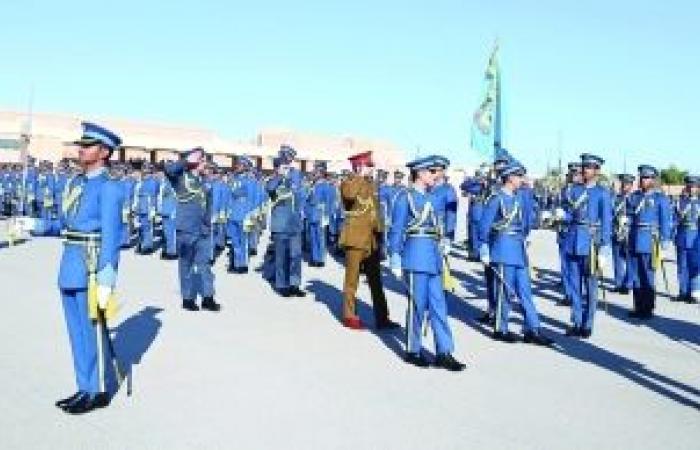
(417, 360)
(295, 291)
(253, 252)
(485, 319)
(190, 305)
(691, 301)
(573, 332)
(680, 298)
(68, 400)
(623, 291)
(448, 362)
(537, 339)
(88, 403)
(508, 337)
(242, 269)
(586, 333)
(387, 325)
(285, 292)
(210, 305)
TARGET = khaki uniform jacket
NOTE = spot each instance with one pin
(362, 218)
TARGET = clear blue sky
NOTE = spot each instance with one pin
(611, 76)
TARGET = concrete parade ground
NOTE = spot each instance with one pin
(271, 372)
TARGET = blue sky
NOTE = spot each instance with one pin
(610, 77)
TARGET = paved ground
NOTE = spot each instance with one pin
(269, 372)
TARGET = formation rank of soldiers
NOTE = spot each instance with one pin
(191, 210)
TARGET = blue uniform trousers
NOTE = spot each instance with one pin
(644, 275)
(474, 243)
(219, 235)
(288, 257)
(253, 240)
(169, 236)
(238, 253)
(491, 286)
(145, 233)
(427, 296)
(517, 279)
(565, 277)
(621, 262)
(584, 291)
(687, 260)
(194, 265)
(317, 244)
(89, 355)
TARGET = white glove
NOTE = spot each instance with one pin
(604, 258)
(559, 214)
(445, 246)
(624, 220)
(546, 216)
(395, 262)
(103, 294)
(485, 254)
(667, 251)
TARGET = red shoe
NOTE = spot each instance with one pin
(354, 323)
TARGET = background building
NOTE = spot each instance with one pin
(50, 137)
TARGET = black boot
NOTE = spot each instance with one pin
(586, 333)
(537, 338)
(88, 403)
(63, 403)
(387, 324)
(295, 291)
(210, 305)
(448, 362)
(485, 319)
(417, 360)
(507, 337)
(190, 305)
(573, 332)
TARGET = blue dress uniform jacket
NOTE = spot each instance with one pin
(503, 228)
(414, 235)
(93, 208)
(193, 225)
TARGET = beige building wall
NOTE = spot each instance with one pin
(51, 135)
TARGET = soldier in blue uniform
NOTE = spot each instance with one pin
(415, 248)
(503, 230)
(44, 194)
(650, 239)
(620, 238)
(239, 214)
(62, 177)
(574, 177)
(588, 214)
(193, 229)
(145, 195)
(285, 191)
(475, 189)
(317, 211)
(501, 160)
(337, 215)
(166, 206)
(89, 264)
(219, 194)
(687, 217)
(28, 189)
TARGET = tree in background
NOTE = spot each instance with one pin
(673, 175)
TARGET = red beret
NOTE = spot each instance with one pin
(361, 159)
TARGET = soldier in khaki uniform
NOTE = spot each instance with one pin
(361, 240)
